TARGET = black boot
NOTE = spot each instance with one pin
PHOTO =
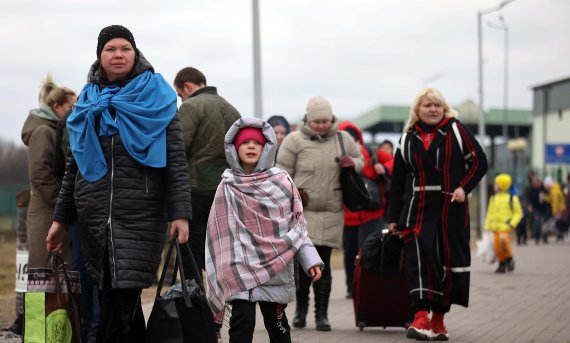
(16, 327)
(502, 268)
(302, 294)
(322, 295)
(510, 264)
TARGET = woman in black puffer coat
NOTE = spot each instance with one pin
(125, 178)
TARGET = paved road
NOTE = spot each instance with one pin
(530, 305)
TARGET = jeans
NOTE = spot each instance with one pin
(89, 291)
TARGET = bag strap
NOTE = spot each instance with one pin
(403, 145)
(457, 135)
(164, 269)
(382, 245)
(341, 142)
(52, 263)
(197, 272)
(177, 269)
(185, 292)
(56, 261)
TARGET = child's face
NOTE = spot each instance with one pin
(496, 187)
(249, 153)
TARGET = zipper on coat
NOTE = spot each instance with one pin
(109, 221)
(437, 159)
(146, 179)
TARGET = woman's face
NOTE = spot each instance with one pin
(321, 126)
(117, 58)
(61, 110)
(429, 112)
(249, 153)
(280, 133)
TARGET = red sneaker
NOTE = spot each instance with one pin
(438, 328)
(420, 329)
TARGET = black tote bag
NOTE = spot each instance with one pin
(358, 192)
(184, 317)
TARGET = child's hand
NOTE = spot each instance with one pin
(315, 273)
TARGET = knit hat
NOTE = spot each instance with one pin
(113, 31)
(318, 108)
(504, 181)
(247, 133)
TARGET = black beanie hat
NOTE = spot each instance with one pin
(113, 31)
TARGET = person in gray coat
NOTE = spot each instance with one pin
(256, 230)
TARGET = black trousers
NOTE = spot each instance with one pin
(201, 204)
(421, 277)
(121, 317)
(326, 276)
(242, 321)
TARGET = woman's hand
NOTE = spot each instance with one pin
(393, 227)
(315, 272)
(182, 227)
(379, 169)
(346, 161)
(458, 195)
(55, 236)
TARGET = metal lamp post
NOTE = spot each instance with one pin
(258, 105)
(503, 27)
(482, 134)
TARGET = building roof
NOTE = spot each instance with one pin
(391, 118)
(552, 83)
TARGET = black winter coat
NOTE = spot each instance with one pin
(125, 213)
(436, 231)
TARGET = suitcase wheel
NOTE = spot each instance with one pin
(361, 325)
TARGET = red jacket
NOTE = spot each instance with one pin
(360, 217)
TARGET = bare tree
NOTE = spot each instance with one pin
(13, 163)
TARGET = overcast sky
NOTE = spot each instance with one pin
(359, 53)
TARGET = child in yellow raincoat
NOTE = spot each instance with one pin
(503, 215)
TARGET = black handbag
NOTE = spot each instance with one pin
(358, 192)
(383, 253)
(181, 316)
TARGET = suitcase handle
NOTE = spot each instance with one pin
(385, 234)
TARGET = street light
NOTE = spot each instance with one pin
(432, 78)
(483, 183)
(503, 27)
(258, 105)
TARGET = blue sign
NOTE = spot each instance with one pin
(557, 153)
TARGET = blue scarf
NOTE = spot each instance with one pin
(143, 109)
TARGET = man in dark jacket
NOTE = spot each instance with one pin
(205, 118)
